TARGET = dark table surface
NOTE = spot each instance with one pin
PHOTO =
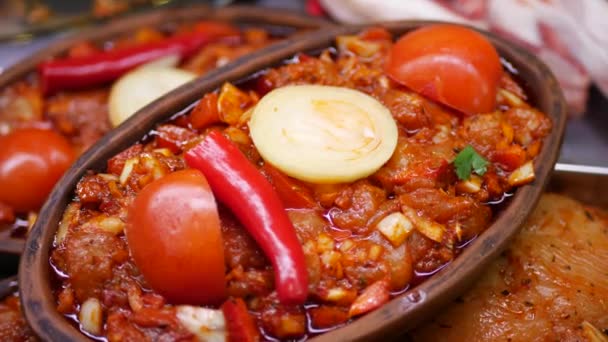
(586, 140)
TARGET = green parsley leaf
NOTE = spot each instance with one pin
(469, 160)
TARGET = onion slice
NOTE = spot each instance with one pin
(323, 134)
(141, 86)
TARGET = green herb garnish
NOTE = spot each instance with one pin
(469, 160)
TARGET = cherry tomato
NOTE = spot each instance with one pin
(450, 64)
(31, 162)
(174, 235)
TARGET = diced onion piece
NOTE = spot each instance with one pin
(395, 228)
(324, 243)
(347, 245)
(511, 98)
(471, 185)
(141, 86)
(592, 333)
(153, 165)
(90, 316)
(127, 169)
(164, 151)
(323, 134)
(31, 219)
(507, 132)
(374, 252)
(522, 175)
(108, 177)
(208, 325)
(428, 228)
(69, 215)
(231, 102)
(110, 224)
(339, 295)
(357, 46)
(330, 259)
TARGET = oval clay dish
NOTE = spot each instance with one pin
(278, 22)
(395, 317)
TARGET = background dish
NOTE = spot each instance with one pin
(279, 23)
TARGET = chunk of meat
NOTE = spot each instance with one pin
(82, 116)
(13, 327)
(444, 208)
(284, 322)
(92, 189)
(483, 131)
(427, 255)
(309, 71)
(406, 108)
(173, 137)
(88, 255)
(239, 246)
(356, 205)
(116, 163)
(550, 280)
(416, 165)
(20, 104)
(528, 124)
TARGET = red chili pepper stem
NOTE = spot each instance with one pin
(103, 67)
(240, 186)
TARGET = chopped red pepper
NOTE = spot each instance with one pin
(238, 184)
(205, 113)
(293, 195)
(241, 327)
(172, 137)
(373, 297)
(102, 67)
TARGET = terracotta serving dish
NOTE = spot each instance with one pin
(402, 312)
(277, 22)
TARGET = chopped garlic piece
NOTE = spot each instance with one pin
(346, 245)
(428, 228)
(127, 169)
(395, 228)
(325, 243)
(109, 224)
(522, 175)
(374, 252)
(90, 316)
(472, 185)
(208, 325)
(592, 333)
(69, 215)
(164, 151)
(336, 294)
(357, 46)
(511, 98)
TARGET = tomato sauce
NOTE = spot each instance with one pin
(347, 256)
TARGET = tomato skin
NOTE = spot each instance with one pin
(450, 64)
(174, 236)
(31, 161)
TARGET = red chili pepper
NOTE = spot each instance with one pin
(241, 327)
(239, 185)
(99, 68)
